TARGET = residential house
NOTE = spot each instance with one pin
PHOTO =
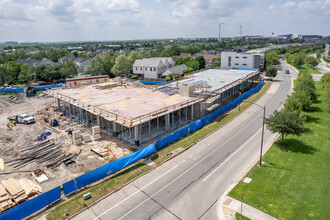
(81, 63)
(36, 63)
(175, 69)
(152, 68)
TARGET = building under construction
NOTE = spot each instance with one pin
(138, 114)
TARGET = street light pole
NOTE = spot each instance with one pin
(263, 128)
(262, 134)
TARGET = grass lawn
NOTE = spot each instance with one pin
(8, 93)
(238, 216)
(309, 69)
(294, 182)
(77, 203)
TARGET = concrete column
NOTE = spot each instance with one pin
(115, 132)
(98, 118)
(59, 104)
(167, 122)
(192, 112)
(136, 135)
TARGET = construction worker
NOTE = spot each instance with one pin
(9, 126)
(14, 123)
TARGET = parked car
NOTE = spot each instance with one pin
(287, 71)
(6, 87)
(43, 83)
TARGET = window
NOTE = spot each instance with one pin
(244, 64)
(145, 69)
(236, 64)
(244, 57)
(48, 63)
(237, 57)
(229, 61)
(150, 69)
(141, 68)
(154, 69)
(136, 68)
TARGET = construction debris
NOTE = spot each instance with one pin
(86, 137)
(96, 133)
(76, 135)
(101, 152)
(30, 187)
(39, 175)
(15, 190)
(5, 201)
(2, 165)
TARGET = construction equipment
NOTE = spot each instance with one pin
(54, 122)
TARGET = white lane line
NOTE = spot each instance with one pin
(188, 169)
(181, 173)
(137, 192)
(183, 161)
(231, 156)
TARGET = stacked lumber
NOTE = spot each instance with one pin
(30, 187)
(15, 190)
(5, 200)
(2, 165)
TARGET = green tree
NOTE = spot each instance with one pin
(96, 67)
(68, 70)
(327, 97)
(123, 65)
(108, 62)
(5, 70)
(303, 98)
(299, 60)
(325, 80)
(25, 75)
(175, 50)
(312, 61)
(271, 57)
(286, 122)
(306, 83)
(15, 70)
(271, 71)
(188, 70)
(292, 103)
(201, 61)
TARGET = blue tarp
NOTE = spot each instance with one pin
(33, 205)
(107, 169)
(153, 82)
(203, 121)
(12, 90)
(47, 87)
(247, 69)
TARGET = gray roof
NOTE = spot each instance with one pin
(175, 69)
(147, 63)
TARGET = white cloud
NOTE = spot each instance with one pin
(289, 4)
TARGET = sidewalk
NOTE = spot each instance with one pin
(246, 210)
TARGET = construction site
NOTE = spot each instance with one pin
(70, 131)
(37, 157)
(137, 113)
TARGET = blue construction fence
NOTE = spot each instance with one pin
(28, 208)
(107, 169)
(47, 87)
(154, 82)
(203, 121)
(17, 90)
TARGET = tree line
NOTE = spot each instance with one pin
(295, 55)
(16, 73)
(290, 120)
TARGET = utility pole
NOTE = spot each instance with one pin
(220, 23)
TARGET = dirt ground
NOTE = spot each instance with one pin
(22, 136)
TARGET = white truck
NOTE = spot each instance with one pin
(23, 118)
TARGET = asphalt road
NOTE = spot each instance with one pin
(189, 186)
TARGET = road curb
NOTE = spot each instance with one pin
(223, 196)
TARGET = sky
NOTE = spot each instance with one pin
(88, 20)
